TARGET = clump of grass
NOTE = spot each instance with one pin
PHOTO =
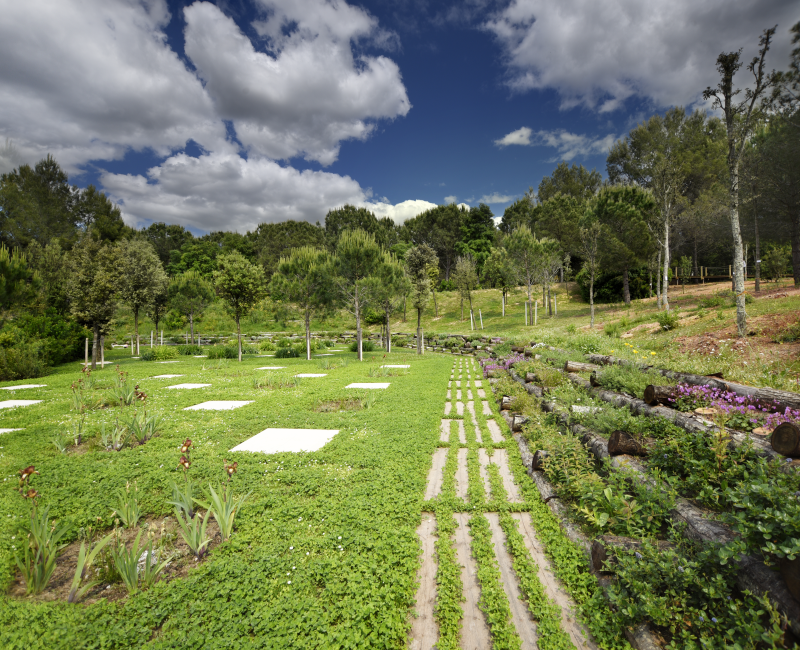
(630, 379)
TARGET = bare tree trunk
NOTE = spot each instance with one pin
(239, 335)
(591, 298)
(191, 326)
(696, 270)
(360, 354)
(738, 250)
(435, 306)
(665, 287)
(796, 249)
(419, 329)
(136, 328)
(308, 335)
(549, 303)
(95, 338)
(388, 334)
(758, 247)
(658, 279)
(626, 287)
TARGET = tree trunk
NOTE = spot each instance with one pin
(796, 249)
(664, 395)
(626, 289)
(95, 339)
(591, 298)
(308, 335)
(621, 442)
(577, 366)
(738, 249)
(136, 328)
(404, 309)
(419, 331)
(665, 287)
(786, 440)
(435, 306)
(191, 326)
(658, 279)
(388, 334)
(357, 305)
(537, 463)
(549, 303)
(696, 268)
(239, 336)
(758, 247)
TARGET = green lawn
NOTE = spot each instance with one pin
(363, 491)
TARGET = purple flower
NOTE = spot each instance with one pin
(638, 555)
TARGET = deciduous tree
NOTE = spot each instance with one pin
(189, 294)
(241, 285)
(417, 260)
(141, 277)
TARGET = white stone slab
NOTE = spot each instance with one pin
(397, 366)
(104, 363)
(267, 355)
(218, 405)
(271, 368)
(326, 354)
(372, 385)
(200, 356)
(12, 403)
(9, 430)
(189, 386)
(23, 386)
(311, 374)
(272, 441)
(165, 376)
(167, 361)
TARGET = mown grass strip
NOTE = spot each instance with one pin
(545, 611)
(494, 602)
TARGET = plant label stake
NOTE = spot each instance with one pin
(102, 351)
(162, 337)
(86, 353)
(481, 315)
(536, 313)
(526, 313)
(555, 304)
(471, 321)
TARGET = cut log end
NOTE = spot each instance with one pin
(663, 395)
(621, 442)
(786, 439)
(538, 460)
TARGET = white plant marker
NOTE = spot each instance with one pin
(218, 405)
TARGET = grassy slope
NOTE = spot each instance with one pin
(367, 486)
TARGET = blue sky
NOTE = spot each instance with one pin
(222, 115)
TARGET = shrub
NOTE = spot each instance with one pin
(791, 333)
(160, 353)
(223, 352)
(612, 329)
(266, 346)
(667, 320)
(366, 346)
(22, 361)
(188, 350)
(60, 339)
(287, 353)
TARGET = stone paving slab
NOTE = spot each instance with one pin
(9, 430)
(218, 405)
(311, 374)
(165, 376)
(381, 385)
(397, 366)
(271, 368)
(272, 441)
(23, 386)
(13, 403)
(189, 386)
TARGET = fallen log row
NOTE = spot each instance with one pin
(785, 439)
(621, 442)
(537, 462)
(638, 406)
(606, 547)
(577, 366)
(782, 398)
(659, 395)
(752, 573)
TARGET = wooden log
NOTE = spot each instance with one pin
(664, 395)
(790, 570)
(786, 439)
(537, 463)
(594, 378)
(577, 366)
(606, 547)
(505, 403)
(531, 376)
(518, 422)
(532, 389)
(640, 637)
(621, 442)
(517, 348)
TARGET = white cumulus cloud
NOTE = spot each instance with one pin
(494, 198)
(521, 136)
(450, 199)
(572, 145)
(401, 211)
(598, 53)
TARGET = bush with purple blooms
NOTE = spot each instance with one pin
(501, 364)
(742, 413)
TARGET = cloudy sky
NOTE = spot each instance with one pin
(222, 115)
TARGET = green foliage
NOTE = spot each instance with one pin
(224, 506)
(160, 353)
(127, 507)
(630, 379)
(23, 361)
(266, 346)
(668, 320)
(40, 546)
(222, 352)
(790, 334)
(366, 346)
(189, 350)
(83, 569)
(691, 594)
(135, 575)
(287, 353)
(194, 534)
(117, 438)
(776, 262)
(189, 294)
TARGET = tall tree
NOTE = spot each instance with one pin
(189, 294)
(19, 282)
(93, 286)
(141, 277)
(97, 214)
(439, 228)
(739, 120)
(477, 234)
(559, 218)
(157, 309)
(466, 279)
(417, 260)
(589, 235)
(166, 238)
(524, 253)
(623, 212)
(302, 278)
(352, 269)
(350, 217)
(272, 240)
(575, 181)
(498, 272)
(240, 284)
(391, 287)
(519, 213)
(51, 264)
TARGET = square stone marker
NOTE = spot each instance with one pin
(218, 405)
(104, 363)
(23, 386)
(372, 385)
(11, 403)
(267, 355)
(272, 441)
(271, 368)
(399, 366)
(200, 356)
(167, 361)
(311, 374)
(165, 376)
(327, 354)
(192, 386)
(9, 430)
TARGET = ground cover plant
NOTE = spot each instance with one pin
(340, 521)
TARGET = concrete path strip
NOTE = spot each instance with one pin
(448, 406)
(474, 630)
(435, 477)
(424, 630)
(445, 434)
(500, 458)
(483, 461)
(478, 436)
(494, 429)
(462, 478)
(462, 434)
(486, 409)
(459, 408)
(520, 614)
(578, 634)
(481, 393)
